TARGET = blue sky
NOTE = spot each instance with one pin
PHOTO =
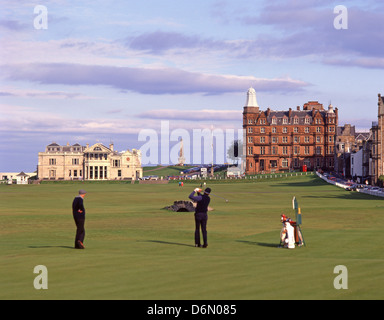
(105, 70)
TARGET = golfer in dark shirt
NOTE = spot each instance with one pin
(201, 215)
(79, 217)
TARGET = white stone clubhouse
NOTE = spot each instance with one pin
(97, 162)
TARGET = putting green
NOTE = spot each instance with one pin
(137, 250)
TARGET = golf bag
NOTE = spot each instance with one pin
(290, 234)
(287, 236)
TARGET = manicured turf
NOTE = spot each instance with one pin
(161, 171)
(137, 250)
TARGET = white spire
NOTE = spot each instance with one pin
(251, 98)
(181, 154)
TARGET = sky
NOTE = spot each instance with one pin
(114, 71)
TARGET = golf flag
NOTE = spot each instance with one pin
(298, 233)
(295, 205)
(298, 217)
(297, 209)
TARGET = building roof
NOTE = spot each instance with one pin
(362, 135)
(22, 174)
(346, 130)
(301, 115)
(310, 105)
(99, 147)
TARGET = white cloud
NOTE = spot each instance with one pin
(69, 50)
(27, 120)
(193, 115)
(42, 94)
(145, 80)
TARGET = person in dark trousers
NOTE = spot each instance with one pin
(201, 214)
(79, 217)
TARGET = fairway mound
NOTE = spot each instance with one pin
(183, 206)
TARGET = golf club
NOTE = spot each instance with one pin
(211, 194)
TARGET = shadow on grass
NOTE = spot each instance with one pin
(168, 243)
(42, 247)
(313, 181)
(262, 244)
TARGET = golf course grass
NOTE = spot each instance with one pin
(137, 250)
(164, 171)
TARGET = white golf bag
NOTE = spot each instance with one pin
(287, 236)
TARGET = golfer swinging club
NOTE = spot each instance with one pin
(201, 214)
(78, 211)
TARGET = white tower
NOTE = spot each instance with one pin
(181, 154)
(251, 98)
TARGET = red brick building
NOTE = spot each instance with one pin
(279, 141)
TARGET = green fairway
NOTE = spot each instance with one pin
(137, 250)
(161, 171)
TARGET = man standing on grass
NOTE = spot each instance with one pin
(201, 215)
(79, 217)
